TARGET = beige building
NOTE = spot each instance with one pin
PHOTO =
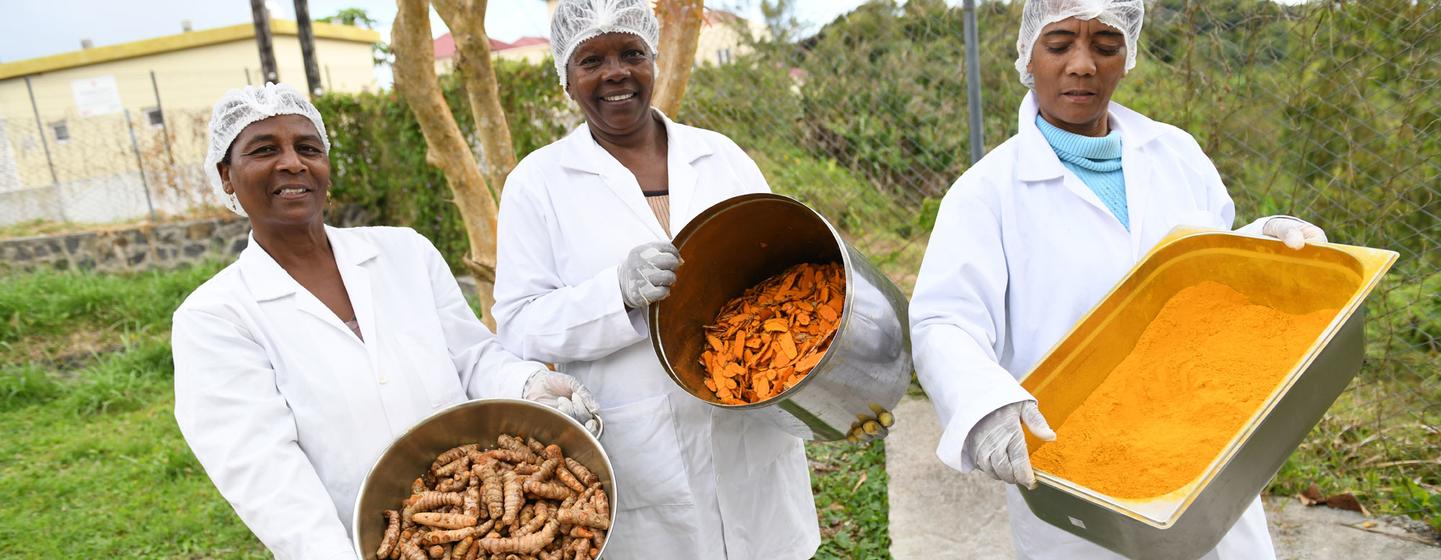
(83, 160)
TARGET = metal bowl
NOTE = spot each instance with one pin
(740, 242)
(479, 421)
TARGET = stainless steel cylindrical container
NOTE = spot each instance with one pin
(479, 421)
(740, 242)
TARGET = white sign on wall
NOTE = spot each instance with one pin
(96, 96)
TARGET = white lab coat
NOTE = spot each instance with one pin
(287, 410)
(694, 481)
(1021, 250)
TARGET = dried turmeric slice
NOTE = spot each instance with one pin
(767, 339)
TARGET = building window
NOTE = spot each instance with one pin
(723, 56)
(62, 131)
(154, 116)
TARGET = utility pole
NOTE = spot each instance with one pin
(268, 72)
(307, 47)
(973, 83)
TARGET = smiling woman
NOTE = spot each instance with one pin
(584, 249)
(299, 363)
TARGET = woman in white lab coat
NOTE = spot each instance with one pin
(584, 247)
(1038, 231)
(299, 363)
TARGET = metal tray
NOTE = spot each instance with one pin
(1189, 522)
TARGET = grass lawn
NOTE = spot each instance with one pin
(92, 463)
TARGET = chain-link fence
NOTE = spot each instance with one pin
(1325, 110)
(99, 169)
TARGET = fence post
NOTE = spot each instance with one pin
(40, 129)
(164, 122)
(140, 164)
(973, 83)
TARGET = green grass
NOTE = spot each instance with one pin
(93, 464)
(849, 483)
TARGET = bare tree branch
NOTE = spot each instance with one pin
(680, 23)
(446, 148)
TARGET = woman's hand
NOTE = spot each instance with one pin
(566, 394)
(1295, 232)
(647, 273)
(998, 447)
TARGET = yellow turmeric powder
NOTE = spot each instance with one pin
(1199, 371)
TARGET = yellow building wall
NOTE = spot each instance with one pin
(189, 82)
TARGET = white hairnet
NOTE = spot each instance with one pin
(576, 21)
(240, 108)
(1125, 15)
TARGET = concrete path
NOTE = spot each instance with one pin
(938, 513)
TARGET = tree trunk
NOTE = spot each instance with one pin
(680, 22)
(466, 20)
(446, 148)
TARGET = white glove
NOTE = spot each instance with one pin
(564, 393)
(998, 447)
(1295, 232)
(647, 273)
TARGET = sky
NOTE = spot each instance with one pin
(40, 28)
(35, 28)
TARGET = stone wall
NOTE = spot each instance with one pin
(142, 247)
(131, 249)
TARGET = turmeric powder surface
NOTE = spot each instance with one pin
(1199, 371)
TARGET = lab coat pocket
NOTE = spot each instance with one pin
(641, 440)
(426, 358)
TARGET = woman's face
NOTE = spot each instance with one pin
(1077, 65)
(278, 169)
(611, 77)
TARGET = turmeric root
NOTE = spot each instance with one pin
(514, 497)
(409, 551)
(523, 500)
(462, 548)
(517, 445)
(455, 483)
(599, 501)
(427, 501)
(509, 455)
(547, 490)
(583, 517)
(471, 502)
(528, 544)
(449, 469)
(444, 520)
(392, 533)
(442, 537)
(586, 477)
(492, 490)
(452, 454)
(563, 474)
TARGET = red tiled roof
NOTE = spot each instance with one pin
(528, 41)
(445, 46)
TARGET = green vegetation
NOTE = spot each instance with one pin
(849, 482)
(88, 433)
